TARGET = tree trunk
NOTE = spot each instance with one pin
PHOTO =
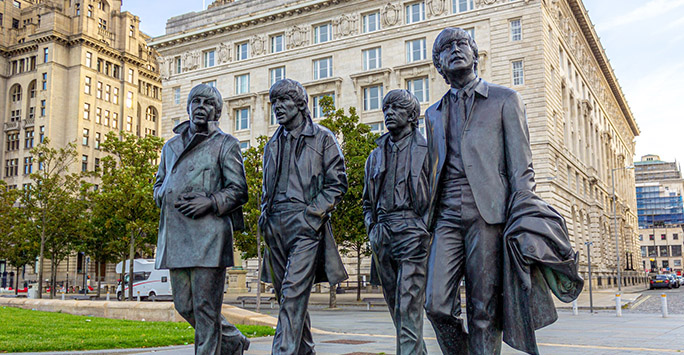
(258, 302)
(53, 276)
(333, 296)
(40, 266)
(131, 257)
(97, 275)
(358, 273)
(121, 280)
(16, 289)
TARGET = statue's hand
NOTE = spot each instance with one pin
(193, 205)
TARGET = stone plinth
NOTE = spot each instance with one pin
(237, 281)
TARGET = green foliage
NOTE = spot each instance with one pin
(253, 158)
(15, 247)
(357, 142)
(33, 331)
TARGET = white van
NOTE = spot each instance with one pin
(151, 283)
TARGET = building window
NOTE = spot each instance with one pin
(322, 68)
(277, 74)
(16, 93)
(516, 30)
(131, 30)
(42, 108)
(42, 134)
(244, 145)
(210, 83)
(462, 5)
(651, 237)
(87, 85)
(372, 58)
(276, 43)
(177, 65)
(98, 92)
(415, 50)
(16, 4)
(44, 82)
(86, 111)
(15, 115)
(96, 168)
(108, 90)
(1, 19)
(46, 51)
(85, 136)
(32, 112)
(241, 51)
(84, 163)
(372, 98)
(12, 141)
(675, 236)
(151, 114)
(317, 109)
(420, 88)
(663, 237)
(129, 99)
(115, 120)
(130, 76)
(90, 10)
(241, 84)
(106, 118)
(98, 137)
(115, 96)
(377, 127)
(241, 119)
(663, 250)
(101, 23)
(421, 126)
(641, 237)
(415, 12)
(176, 96)
(28, 139)
(209, 58)
(98, 115)
(129, 123)
(28, 165)
(518, 74)
(471, 32)
(371, 22)
(322, 33)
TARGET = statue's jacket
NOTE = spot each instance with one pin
(210, 164)
(319, 165)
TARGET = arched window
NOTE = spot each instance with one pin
(32, 89)
(151, 114)
(15, 91)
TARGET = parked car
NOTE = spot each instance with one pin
(150, 283)
(675, 281)
(660, 281)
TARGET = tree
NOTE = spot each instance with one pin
(126, 203)
(50, 210)
(14, 246)
(357, 142)
(249, 242)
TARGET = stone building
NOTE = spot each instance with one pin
(661, 249)
(72, 71)
(581, 127)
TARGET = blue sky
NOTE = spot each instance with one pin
(644, 40)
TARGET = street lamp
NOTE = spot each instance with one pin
(617, 244)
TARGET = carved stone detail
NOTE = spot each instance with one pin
(436, 7)
(297, 36)
(391, 13)
(346, 25)
(191, 60)
(224, 53)
(258, 45)
(164, 67)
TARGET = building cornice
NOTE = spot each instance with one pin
(582, 17)
(239, 23)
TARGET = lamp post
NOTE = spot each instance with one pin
(617, 243)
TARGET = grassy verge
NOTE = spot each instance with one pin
(24, 330)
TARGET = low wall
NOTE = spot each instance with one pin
(149, 311)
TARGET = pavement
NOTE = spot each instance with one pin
(352, 330)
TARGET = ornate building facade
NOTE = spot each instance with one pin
(581, 127)
(72, 71)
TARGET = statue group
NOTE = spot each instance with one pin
(457, 204)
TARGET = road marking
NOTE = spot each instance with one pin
(639, 301)
(611, 348)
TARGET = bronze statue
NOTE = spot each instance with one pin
(200, 188)
(395, 202)
(484, 216)
(304, 179)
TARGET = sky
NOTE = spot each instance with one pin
(644, 41)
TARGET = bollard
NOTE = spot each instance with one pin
(575, 309)
(618, 305)
(138, 296)
(62, 295)
(107, 296)
(663, 304)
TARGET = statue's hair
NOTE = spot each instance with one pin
(446, 37)
(207, 90)
(293, 90)
(406, 100)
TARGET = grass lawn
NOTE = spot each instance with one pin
(23, 330)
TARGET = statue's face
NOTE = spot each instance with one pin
(456, 55)
(285, 109)
(396, 117)
(202, 110)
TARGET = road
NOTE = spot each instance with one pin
(650, 301)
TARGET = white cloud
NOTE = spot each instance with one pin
(649, 10)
